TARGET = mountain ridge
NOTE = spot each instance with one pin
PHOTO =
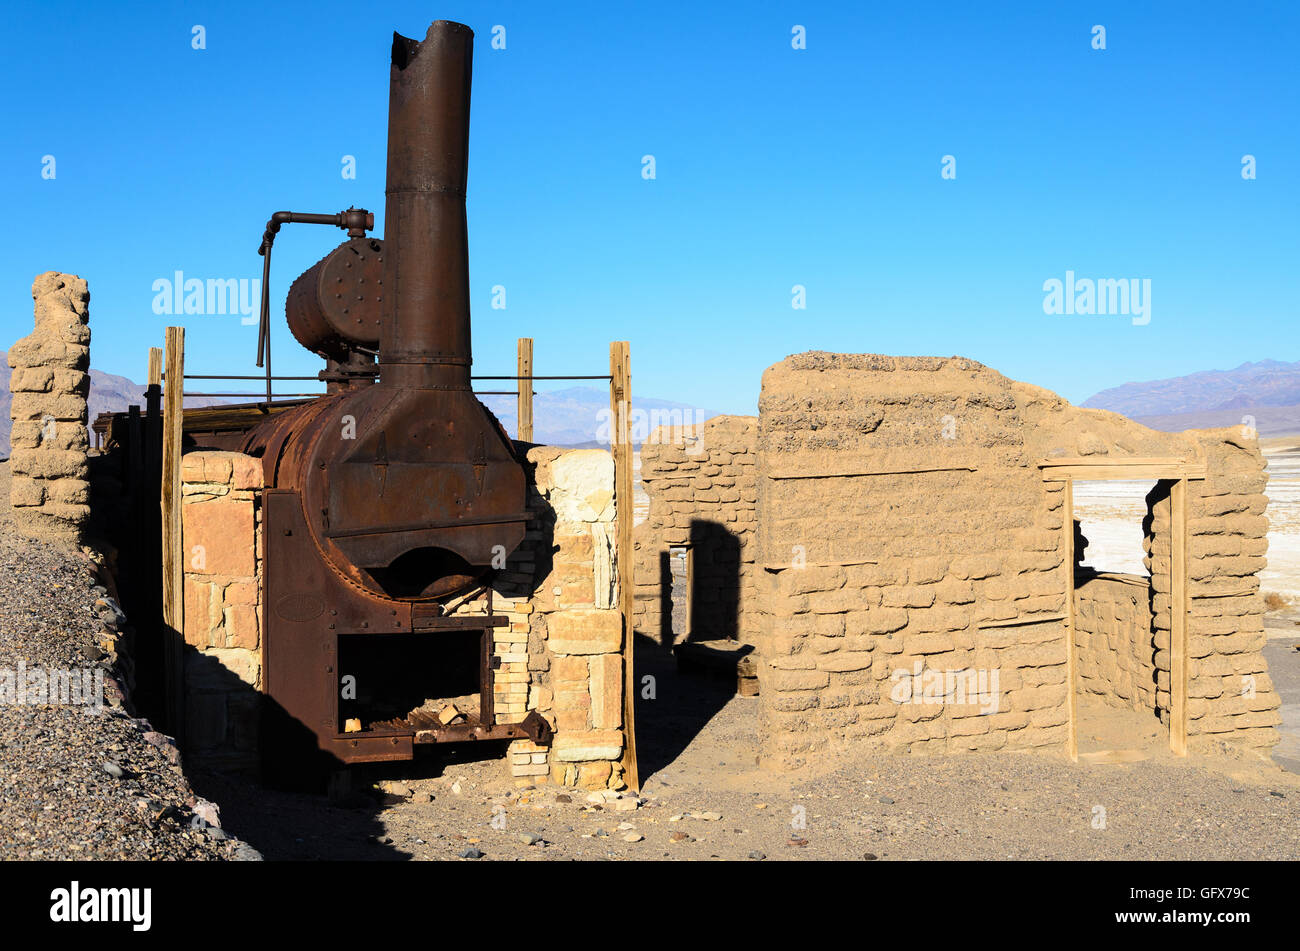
(1261, 383)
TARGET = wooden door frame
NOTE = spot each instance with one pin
(1161, 469)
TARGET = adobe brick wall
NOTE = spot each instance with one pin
(1231, 696)
(560, 655)
(1114, 645)
(703, 493)
(911, 551)
(50, 490)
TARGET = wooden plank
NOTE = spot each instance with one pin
(1110, 461)
(1178, 618)
(620, 408)
(1122, 467)
(218, 418)
(173, 563)
(1104, 471)
(1021, 621)
(804, 474)
(525, 409)
(786, 565)
(1072, 739)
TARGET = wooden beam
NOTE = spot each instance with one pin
(1178, 618)
(797, 474)
(620, 408)
(1072, 738)
(525, 411)
(1055, 461)
(173, 561)
(1125, 467)
(1021, 621)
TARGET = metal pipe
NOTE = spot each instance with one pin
(425, 332)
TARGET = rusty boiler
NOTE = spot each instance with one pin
(397, 490)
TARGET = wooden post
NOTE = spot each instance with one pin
(1178, 618)
(525, 413)
(173, 561)
(620, 408)
(1072, 729)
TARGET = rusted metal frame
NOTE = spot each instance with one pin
(532, 727)
(420, 625)
(487, 713)
(502, 519)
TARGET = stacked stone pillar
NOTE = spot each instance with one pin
(50, 491)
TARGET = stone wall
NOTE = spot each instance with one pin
(221, 544)
(914, 580)
(703, 495)
(50, 491)
(561, 653)
(1113, 636)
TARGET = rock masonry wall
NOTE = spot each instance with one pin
(221, 518)
(50, 491)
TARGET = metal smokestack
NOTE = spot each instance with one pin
(424, 339)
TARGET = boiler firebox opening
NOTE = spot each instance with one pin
(425, 572)
(384, 678)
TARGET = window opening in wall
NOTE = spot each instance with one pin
(1111, 530)
(681, 573)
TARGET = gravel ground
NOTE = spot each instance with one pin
(704, 798)
(77, 785)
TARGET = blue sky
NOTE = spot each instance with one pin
(774, 167)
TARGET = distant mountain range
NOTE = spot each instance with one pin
(1266, 383)
(1268, 391)
(577, 416)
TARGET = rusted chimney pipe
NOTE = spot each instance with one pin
(424, 339)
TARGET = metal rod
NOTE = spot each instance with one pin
(259, 376)
(209, 376)
(273, 395)
(606, 377)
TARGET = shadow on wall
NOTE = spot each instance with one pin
(703, 603)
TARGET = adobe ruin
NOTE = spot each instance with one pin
(908, 564)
